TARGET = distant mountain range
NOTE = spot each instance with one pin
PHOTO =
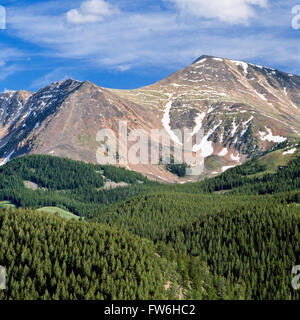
(244, 109)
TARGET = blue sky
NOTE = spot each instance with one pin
(129, 44)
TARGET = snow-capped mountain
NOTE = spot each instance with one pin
(243, 108)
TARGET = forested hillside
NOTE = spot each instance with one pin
(250, 241)
(232, 237)
(68, 184)
(48, 257)
(246, 179)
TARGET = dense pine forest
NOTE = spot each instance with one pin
(235, 236)
(67, 184)
(51, 258)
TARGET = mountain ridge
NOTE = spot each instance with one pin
(243, 108)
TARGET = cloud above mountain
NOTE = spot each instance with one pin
(106, 33)
(232, 11)
(8, 61)
(124, 36)
(91, 11)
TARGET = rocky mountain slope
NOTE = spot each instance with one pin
(12, 108)
(243, 108)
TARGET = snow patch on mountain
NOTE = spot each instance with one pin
(223, 152)
(235, 158)
(201, 61)
(261, 95)
(226, 168)
(243, 64)
(7, 159)
(166, 123)
(198, 120)
(234, 129)
(270, 137)
(294, 105)
(205, 146)
(211, 109)
(292, 151)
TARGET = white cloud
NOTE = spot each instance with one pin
(7, 55)
(8, 91)
(8, 71)
(130, 40)
(232, 11)
(123, 68)
(91, 11)
(54, 75)
(152, 39)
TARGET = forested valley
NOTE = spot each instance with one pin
(235, 236)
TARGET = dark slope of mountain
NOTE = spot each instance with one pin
(244, 109)
(12, 107)
(12, 112)
(48, 257)
(64, 118)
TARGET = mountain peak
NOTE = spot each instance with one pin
(243, 108)
(204, 57)
(88, 83)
